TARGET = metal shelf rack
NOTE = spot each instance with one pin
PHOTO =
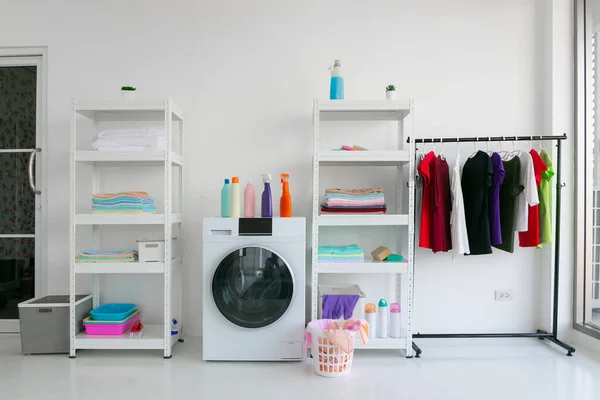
(155, 336)
(400, 111)
(539, 334)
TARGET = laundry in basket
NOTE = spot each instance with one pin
(333, 344)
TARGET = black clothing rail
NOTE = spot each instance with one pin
(550, 336)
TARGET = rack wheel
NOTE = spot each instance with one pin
(167, 358)
(569, 354)
(181, 340)
(72, 357)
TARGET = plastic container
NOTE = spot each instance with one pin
(328, 360)
(110, 329)
(395, 320)
(336, 88)
(266, 204)
(225, 200)
(236, 198)
(249, 201)
(382, 319)
(91, 321)
(112, 312)
(285, 204)
(371, 318)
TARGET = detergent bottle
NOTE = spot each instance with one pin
(266, 206)
(249, 201)
(236, 207)
(285, 204)
(226, 199)
(336, 89)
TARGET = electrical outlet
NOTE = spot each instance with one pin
(504, 295)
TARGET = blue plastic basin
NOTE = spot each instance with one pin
(113, 312)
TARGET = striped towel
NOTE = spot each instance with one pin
(91, 256)
(351, 253)
(123, 203)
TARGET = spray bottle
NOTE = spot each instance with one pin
(266, 206)
(285, 204)
(336, 89)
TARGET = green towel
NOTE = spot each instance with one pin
(394, 258)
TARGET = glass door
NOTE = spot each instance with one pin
(20, 200)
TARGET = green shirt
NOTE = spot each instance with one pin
(545, 195)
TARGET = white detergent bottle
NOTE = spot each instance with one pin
(236, 198)
(382, 319)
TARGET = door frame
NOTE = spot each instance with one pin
(35, 56)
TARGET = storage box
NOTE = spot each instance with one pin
(45, 322)
(359, 309)
(153, 250)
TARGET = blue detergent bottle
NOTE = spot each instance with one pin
(226, 200)
(336, 89)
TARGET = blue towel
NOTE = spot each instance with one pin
(350, 250)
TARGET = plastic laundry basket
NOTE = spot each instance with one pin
(328, 360)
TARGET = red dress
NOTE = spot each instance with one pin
(425, 170)
(531, 238)
(441, 239)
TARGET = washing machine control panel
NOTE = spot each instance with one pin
(255, 227)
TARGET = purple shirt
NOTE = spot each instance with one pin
(497, 178)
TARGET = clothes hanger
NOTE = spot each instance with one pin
(442, 157)
(475, 151)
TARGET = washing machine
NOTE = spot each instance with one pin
(254, 288)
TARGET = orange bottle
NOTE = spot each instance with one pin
(285, 205)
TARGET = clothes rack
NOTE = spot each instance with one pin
(550, 336)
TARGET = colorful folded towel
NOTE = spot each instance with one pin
(123, 203)
(351, 253)
(91, 256)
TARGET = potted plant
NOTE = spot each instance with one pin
(390, 92)
(128, 93)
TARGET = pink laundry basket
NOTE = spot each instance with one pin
(328, 360)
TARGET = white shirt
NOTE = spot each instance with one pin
(529, 195)
(458, 225)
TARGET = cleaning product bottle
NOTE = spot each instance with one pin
(371, 318)
(336, 89)
(249, 200)
(382, 319)
(225, 199)
(285, 204)
(236, 207)
(266, 205)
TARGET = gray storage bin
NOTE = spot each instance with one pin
(45, 322)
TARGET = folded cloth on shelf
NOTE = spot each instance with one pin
(156, 143)
(123, 203)
(353, 199)
(354, 192)
(353, 210)
(126, 148)
(131, 133)
(107, 256)
(351, 253)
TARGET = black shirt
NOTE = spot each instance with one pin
(476, 181)
(509, 191)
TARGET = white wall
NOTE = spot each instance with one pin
(246, 73)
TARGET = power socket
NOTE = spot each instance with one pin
(504, 295)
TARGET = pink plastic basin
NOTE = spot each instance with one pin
(111, 329)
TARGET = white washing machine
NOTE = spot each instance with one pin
(254, 286)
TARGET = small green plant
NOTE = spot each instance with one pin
(129, 88)
(390, 88)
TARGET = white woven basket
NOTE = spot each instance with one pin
(329, 360)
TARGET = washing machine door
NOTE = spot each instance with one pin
(252, 287)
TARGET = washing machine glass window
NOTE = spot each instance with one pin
(252, 287)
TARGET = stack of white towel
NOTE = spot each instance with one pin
(130, 139)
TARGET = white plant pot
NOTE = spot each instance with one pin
(390, 94)
(128, 94)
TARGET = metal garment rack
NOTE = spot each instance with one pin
(550, 336)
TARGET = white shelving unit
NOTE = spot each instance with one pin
(402, 218)
(155, 336)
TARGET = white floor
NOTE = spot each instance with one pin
(478, 370)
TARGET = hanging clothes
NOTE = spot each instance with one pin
(425, 170)
(531, 238)
(458, 226)
(497, 178)
(529, 195)
(509, 191)
(476, 182)
(418, 197)
(545, 195)
(441, 204)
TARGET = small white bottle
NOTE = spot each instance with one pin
(395, 320)
(382, 319)
(236, 198)
(371, 318)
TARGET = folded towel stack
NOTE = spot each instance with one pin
(91, 256)
(131, 139)
(354, 201)
(123, 203)
(351, 253)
